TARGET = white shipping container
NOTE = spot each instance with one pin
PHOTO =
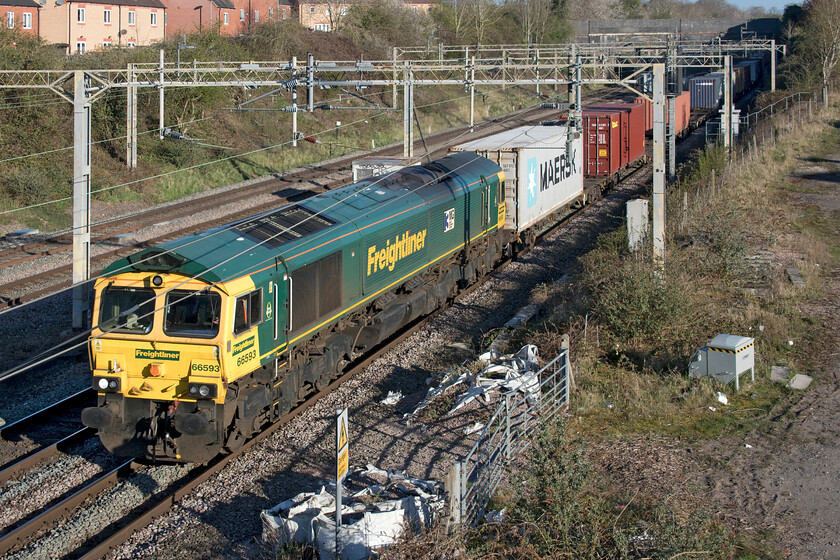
(371, 166)
(540, 177)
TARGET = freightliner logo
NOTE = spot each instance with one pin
(157, 354)
(387, 257)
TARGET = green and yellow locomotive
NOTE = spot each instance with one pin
(201, 342)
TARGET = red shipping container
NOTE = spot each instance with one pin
(632, 129)
(682, 110)
(601, 142)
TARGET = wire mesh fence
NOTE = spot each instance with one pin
(472, 482)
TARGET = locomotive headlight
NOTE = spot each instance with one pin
(157, 281)
(203, 390)
(106, 383)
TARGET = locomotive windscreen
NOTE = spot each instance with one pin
(286, 224)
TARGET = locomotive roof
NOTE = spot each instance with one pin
(248, 246)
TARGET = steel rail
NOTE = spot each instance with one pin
(143, 515)
(24, 532)
(38, 456)
(75, 399)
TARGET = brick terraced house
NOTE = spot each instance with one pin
(23, 15)
(96, 24)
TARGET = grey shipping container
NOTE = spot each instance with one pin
(540, 177)
(706, 91)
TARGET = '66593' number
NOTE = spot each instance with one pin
(246, 357)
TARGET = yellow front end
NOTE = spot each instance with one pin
(156, 356)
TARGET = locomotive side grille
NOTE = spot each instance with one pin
(316, 291)
(284, 225)
(304, 300)
(329, 280)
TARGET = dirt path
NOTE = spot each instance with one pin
(786, 486)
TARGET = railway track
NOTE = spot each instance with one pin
(58, 278)
(118, 531)
(16, 292)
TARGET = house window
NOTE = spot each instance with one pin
(321, 27)
(165, 18)
(284, 13)
(329, 11)
(80, 15)
(226, 19)
(106, 16)
(80, 47)
(241, 15)
(106, 43)
(256, 16)
(131, 44)
(344, 10)
(414, 9)
(311, 9)
(10, 19)
(153, 20)
(270, 12)
(27, 20)
(131, 17)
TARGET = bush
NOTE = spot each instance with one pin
(632, 302)
(28, 186)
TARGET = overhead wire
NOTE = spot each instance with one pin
(50, 354)
(31, 302)
(55, 351)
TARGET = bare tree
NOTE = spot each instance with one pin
(589, 9)
(336, 10)
(533, 18)
(482, 15)
(822, 31)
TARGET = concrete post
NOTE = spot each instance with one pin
(472, 94)
(294, 103)
(394, 101)
(131, 120)
(773, 65)
(81, 201)
(453, 493)
(726, 116)
(160, 99)
(672, 141)
(310, 82)
(659, 166)
(408, 106)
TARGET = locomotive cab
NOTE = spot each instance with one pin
(164, 353)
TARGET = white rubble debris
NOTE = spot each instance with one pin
(393, 397)
(367, 524)
(504, 373)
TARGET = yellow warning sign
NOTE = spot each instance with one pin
(342, 462)
(614, 124)
(342, 435)
(602, 153)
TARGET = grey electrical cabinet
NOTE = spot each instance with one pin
(725, 358)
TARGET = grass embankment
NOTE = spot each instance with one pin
(225, 146)
(615, 481)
